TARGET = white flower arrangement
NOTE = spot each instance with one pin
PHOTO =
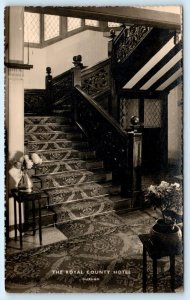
(27, 163)
(167, 198)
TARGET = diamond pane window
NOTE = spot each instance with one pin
(152, 113)
(31, 27)
(51, 26)
(73, 23)
(128, 108)
(92, 23)
(113, 24)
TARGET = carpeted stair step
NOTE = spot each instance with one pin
(62, 112)
(100, 175)
(80, 145)
(53, 136)
(63, 104)
(67, 165)
(59, 155)
(75, 193)
(87, 154)
(41, 120)
(48, 128)
(121, 203)
(82, 209)
(45, 145)
(56, 167)
(65, 179)
(110, 188)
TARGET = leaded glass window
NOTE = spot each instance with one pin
(113, 24)
(92, 23)
(31, 27)
(51, 26)
(73, 23)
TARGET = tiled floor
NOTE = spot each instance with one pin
(50, 235)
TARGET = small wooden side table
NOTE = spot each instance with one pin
(22, 196)
(156, 251)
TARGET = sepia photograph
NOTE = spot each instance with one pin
(94, 149)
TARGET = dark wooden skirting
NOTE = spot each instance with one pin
(158, 66)
(18, 66)
(167, 75)
(132, 94)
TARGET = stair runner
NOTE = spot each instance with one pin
(74, 185)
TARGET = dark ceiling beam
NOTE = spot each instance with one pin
(119, 14)
(158, 66)
(166, 76)
(173, 84)
(131, 94)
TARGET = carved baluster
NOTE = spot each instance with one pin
(49, 96)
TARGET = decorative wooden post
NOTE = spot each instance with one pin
(131, 183)
(48, 85)
(48, 78)
(78, 66)
(113, 100)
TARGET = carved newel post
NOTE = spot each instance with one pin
(78, 66)
(134, 163)
(48, 84)
(48, 78)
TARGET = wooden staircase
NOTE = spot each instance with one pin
(90, 165)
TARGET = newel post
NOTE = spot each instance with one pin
(132, 185)
(78, 66)
(76, 70)
(48, 86)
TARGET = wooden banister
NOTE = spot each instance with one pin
(119, 150)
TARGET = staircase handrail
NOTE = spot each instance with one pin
(102, 112)
(93, 68)
(57, 79)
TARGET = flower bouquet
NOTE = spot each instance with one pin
(26, 163)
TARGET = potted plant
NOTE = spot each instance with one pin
(167, 198)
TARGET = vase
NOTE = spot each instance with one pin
(25, 183)
(167, 235)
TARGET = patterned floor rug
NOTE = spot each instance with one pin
(104, 261)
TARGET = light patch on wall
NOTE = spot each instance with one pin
(177, 74)
(162, 71)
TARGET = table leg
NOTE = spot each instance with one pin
(172, 272)
(15, 219)
(144, 269)
(20, 224)
(33, 217)
(40, 222)
(154, 275)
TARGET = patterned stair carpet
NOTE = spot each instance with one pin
(68, 174)
(106, 261)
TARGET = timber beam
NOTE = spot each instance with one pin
(119, 14)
